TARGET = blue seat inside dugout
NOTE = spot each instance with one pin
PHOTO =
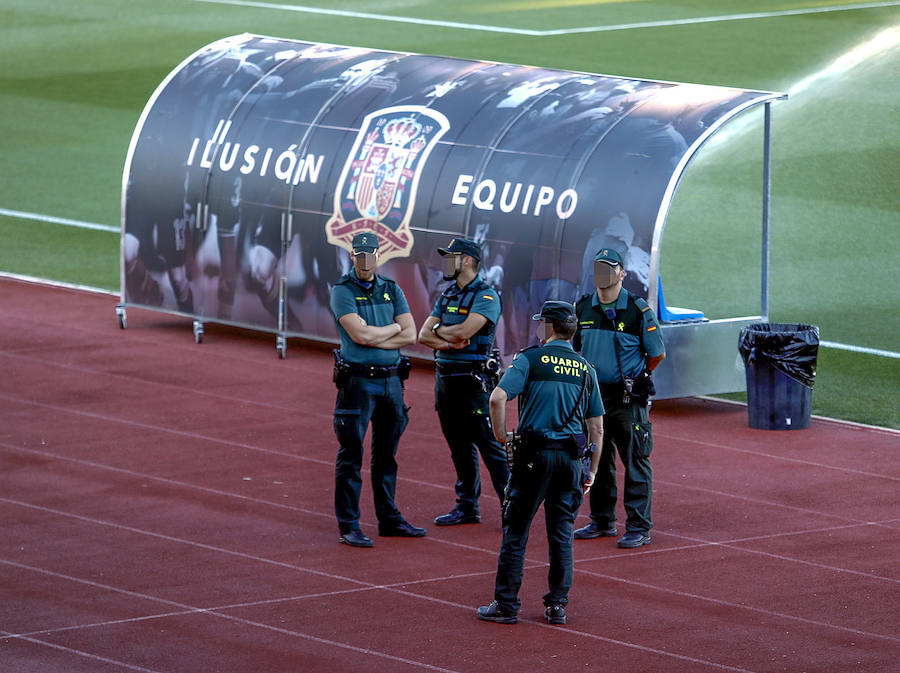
(673, 313)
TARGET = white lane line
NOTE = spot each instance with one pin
(81, 653)
(560, 31)
(395, 588)
(717, 601)
(212, 613)
(697, 541)
(323, 416)
(196, 436)
(763, 454)
(22, 215)
(258, 501)
(367, 651)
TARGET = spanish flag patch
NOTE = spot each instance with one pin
(651, 328)
(487, 296)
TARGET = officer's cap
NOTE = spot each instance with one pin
(608, 255)
(465, 246)
(365, 242)
(561, 311)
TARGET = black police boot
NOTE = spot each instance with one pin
(593, 530)
(402, 529)
(456, 516)
(555, 614)
(356, 538)
(634, 539)
(493, 613)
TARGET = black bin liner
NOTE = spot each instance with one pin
(780, 361)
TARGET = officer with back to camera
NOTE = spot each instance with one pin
(618, 333)
(461, 331)
(558, 396)
(374, 322)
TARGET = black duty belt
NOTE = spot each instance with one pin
(548, 444)
(371, 371)
(459, 367)
(614, 389)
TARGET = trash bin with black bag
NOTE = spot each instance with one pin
(780, 361)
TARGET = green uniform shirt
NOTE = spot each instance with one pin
(378, 306)
(620, 347)
(455, 305)
(548, 380)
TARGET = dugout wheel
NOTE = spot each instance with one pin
(120, 315)
(281, 346)
(198, 332)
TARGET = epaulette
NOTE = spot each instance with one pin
(642, 304)
(384, 279)
(528, 348)
(583, 298)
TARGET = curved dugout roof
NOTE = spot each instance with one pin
(273, 139)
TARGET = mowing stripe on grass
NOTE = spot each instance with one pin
(560, 31)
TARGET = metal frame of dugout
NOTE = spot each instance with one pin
(257, 159)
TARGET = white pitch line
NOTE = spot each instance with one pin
(22, 215)
(717, 19)
(860, 349)
(376, 17)
(560, 31)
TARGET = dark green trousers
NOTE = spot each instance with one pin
(627, 431)
(554, 478)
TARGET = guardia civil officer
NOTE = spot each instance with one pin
(619, 334)
(558, 395)
(461, 331)
(374, 322)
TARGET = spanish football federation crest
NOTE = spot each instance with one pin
(377, 189)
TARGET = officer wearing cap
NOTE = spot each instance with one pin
(374, 322)
(619, 334)
(461, 331)
(558, 396)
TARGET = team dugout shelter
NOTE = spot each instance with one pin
(257, 160)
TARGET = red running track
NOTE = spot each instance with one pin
(167, 507)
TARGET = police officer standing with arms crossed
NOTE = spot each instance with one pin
(461, 331)
(618, 333)
(558, 396)
(374, 322)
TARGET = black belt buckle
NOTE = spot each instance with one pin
(457, 368)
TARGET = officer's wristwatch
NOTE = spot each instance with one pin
(434, 328)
